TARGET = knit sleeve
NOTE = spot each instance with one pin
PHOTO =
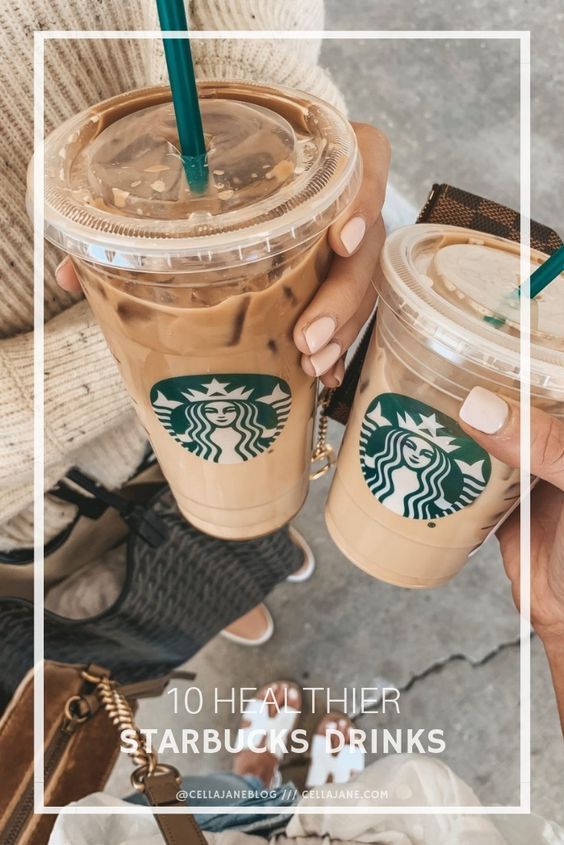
(84, 396)
(289, 62)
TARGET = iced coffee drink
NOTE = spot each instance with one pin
(413, 494)
(198, 294)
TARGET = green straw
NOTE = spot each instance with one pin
(545, 274)
(178, 55)
(539, 280)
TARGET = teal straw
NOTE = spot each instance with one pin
(539, 280)
(178, 56)
(545, 274)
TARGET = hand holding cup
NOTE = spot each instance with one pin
(345, 300)
(495, 424)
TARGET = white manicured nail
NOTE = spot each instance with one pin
(325, 359)
(339, 373)
(352, 233)
(485, 411)
(319, 333)
(293, 694)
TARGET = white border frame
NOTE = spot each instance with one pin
(39, 490)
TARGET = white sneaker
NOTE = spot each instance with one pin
(307, 568)
(266, 629)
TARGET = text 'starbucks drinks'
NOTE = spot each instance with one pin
(198, 294)
(413, 495)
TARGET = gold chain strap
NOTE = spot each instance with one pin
(323, 451)
(121, 714)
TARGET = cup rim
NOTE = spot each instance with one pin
(451, 329)
(119, 242)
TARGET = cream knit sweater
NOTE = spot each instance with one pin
(89, 417)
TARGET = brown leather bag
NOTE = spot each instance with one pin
(84, 713)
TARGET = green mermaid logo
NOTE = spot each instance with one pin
(417, 461)
(226, 418)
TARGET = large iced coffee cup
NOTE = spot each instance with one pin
(413, 495)
(198, 294)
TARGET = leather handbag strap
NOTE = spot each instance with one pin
(159, 782)
(143, 521)
(161, 790)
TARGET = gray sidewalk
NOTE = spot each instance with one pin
(451, 110)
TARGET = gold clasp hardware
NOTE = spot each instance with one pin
(120, 713)
(92, 679)
(139, 775)
(71, 713)
(328, 455)
(323, 450)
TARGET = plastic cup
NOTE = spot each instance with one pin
(198, 294)
(413, 495)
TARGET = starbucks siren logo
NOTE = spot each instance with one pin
(223, 418)
(417, 461)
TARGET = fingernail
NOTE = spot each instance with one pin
(307, 366)
(61, 265)
(325, 359)
(485, 411)
(339, 373)
(352, 233)
(319, 332)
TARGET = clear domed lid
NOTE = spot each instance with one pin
(282, 166)
(458, 287)
(484, 279)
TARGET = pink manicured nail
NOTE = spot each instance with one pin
(325, 359)
(307, 366)
(65, 275)
(61, 265)
(318, 333)
(485, 411)
(339, 373)
(352, 233)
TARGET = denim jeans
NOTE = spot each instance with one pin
(222, 789)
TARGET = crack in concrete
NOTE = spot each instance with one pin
(439, 665)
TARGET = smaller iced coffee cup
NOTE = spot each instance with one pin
(198, 293)
(413, 495)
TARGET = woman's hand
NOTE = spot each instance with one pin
(345, 300)
(494, 424)
(66, 276)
